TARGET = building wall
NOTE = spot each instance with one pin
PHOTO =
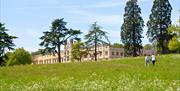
(116, 52)
(102, 53)
(47, 59)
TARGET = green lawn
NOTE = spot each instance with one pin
(126, 74)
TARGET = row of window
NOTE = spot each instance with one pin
(117, 53)
(106, 54)
(55, 60)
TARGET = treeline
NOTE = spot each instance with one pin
(161, 33)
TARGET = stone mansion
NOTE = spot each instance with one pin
(104, 52)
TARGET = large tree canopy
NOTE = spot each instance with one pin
(57, 36)
(159, 21)
(132, 29)
(6, 41)
(96, 37)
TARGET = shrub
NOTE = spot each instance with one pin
(19, 56)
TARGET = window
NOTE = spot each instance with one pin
(67, 52)
(67, 57)
(117, 53)
(100, 53)
(112, 53)
(106, 53)
(85, 56)
(121, 54)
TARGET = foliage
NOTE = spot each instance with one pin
(53, 40)
(125, 74)
(96, 37)
(117, 45)
(18, 57)
(174, 44)
(159, 21)
(132, 29)
(5, 58)
(78, 51)
(148, 46)
(6, 41)
(174, 31)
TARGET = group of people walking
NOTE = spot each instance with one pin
(148, 59)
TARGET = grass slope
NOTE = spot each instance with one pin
(126, 74)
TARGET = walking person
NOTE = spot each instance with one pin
(153, 59)
(147, 60)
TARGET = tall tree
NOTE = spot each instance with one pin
(132, 29)
(6, 41)
(159, 21)
(53, 40)
(96, 37)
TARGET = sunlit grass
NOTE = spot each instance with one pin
(129, 74)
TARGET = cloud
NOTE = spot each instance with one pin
(114, 35)
(107, 4)
(107, 19)
(97, 17)
(28, 38)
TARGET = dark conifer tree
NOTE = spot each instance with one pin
(53, 40)
(95, 38)
(159, 21)
(132, 29)
(6, 42)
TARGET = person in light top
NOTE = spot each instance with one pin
(153, 59)
(147, 60)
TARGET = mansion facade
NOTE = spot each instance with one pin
(104, 52)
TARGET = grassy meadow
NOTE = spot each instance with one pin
(125, 74)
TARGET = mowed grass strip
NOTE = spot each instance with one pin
(117, 74)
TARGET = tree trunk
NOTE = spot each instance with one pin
(162, 38)
(134, 44)
(95, 54)
(80, 59)
(59, 53)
